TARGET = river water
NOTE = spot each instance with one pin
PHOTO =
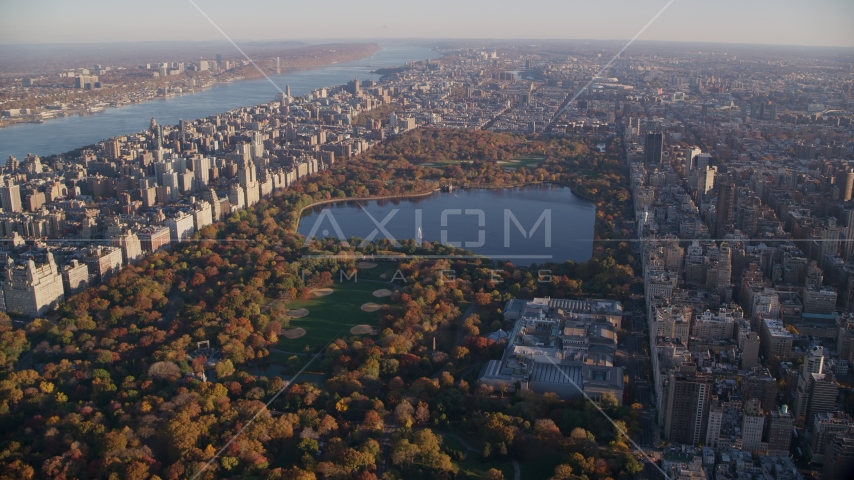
(64, 134)
(557, 224)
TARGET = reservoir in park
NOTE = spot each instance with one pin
(525, 225)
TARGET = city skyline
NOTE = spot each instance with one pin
(822, 23)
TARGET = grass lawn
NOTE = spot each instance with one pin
(473, 466)
(332, 316)
(541, 468)
(383, 267)
(526, 161)
(514, 163)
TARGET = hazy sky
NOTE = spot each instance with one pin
(793, 22)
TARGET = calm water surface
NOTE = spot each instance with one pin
(471, 218)
(63, 134)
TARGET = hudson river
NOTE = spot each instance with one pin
(64, 134)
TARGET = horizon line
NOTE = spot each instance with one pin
(420, 39)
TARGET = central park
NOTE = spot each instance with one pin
(368, 353)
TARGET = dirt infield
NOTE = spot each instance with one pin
(371, 307)
(366, 265)
(383, 292)
(298, 313)
(321, 292)
(293, 333)
(362, 330)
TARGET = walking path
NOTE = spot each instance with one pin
(289, 353)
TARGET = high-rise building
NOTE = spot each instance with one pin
(778, 431)
(113, 149)
(690, 158)
(814, 360)
(848, 245)
(823, 390)
(829, 240)
(31, 289)
(202, 214)
(776, 340)
(819, 301)
(759, 384)
(103, 262)
(706, 183)
(211, 197)
(839, 456)
(10, 196)
(749, 343)
(181, 226)
(724, 208)
(653, 148)
(75, 277)
(153, 238)
(131, 247)
(824, 428)
(849, 186)
(201, 172)
(248, 180)
(687, 412)
(752, 425)
(354, 87)
(713, 430)
(813, 363)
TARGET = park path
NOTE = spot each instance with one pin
(289, 353)
(385, 443)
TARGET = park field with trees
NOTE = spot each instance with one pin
(111, 387)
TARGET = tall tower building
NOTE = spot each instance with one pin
(247, 179)
(752, 425)
(813, 363)
(829, 240)
(688, 399)
(705, 183)
(848, 245)
(849, 186)
(201, 172)
(724, 271)
(113, 149)
(723, 213)
(713, 431)
(654, 148)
